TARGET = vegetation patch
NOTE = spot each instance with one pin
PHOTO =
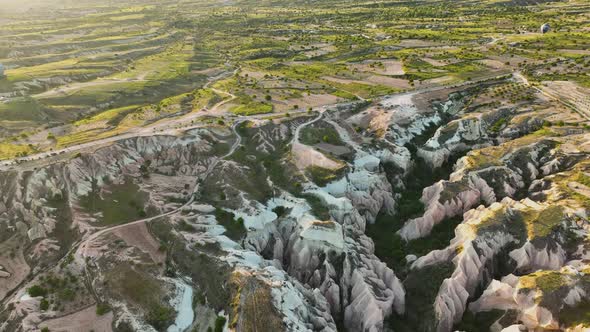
(480, 321)
(197, 262)
(546, 281)
(541, 224)
(234, 228)
(421, 290)
(60, 292)
(312, 135)
(577, 315)
(322, 176)
(117, 203)
(389, 246)
(252, 305)
(143, 291)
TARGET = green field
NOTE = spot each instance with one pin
(96, 63)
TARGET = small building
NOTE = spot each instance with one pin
(545, 28)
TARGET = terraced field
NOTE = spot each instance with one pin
(96, 70)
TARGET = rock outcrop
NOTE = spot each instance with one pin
(537, 300)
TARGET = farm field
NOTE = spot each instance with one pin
(126, 65)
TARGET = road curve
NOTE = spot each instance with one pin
(82, 248)
(163, 128)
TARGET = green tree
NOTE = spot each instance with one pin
(219, 323)
(160, 317)
(44, 305)
(36, 291)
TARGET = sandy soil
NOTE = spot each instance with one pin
(322, 48)
(209, 71)
(514, 60)
(570, 93)
(390, 67)
(253, 74)
(585, 145)
(83, 320)
(17, 266)
(375, 119)
(569, 51)
(397, 83)
(434, 62)
(439, 80)
(64, 90)
(494, 64)
(345, 80)
(417, 43)
(306, 156)
(137, 235)
(313, 100)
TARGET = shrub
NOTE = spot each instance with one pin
(279, 210)
(36, 291)
(44, 305)
(160, 317)
(219, 323)
(102, 308)
(67, 294)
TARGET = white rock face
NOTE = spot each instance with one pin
(307, 247)
(470, 263)
(529, 258)
(509, 294)
(450, 303)
(515, 328)
(406, 121)
(438, 208)
(465, 133)
(73, 178)
(474, 132)
(322, 270)
(357, 199)
(365, 312)
(467, 187)
(483, 235)
(334, 257)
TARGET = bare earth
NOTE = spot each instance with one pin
(397, 83)
(17, 267)
(306, 156)
(569, 93)
(137, 235)
(83, 320)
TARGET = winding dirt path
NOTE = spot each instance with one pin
(82, 249)
(554, 95)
